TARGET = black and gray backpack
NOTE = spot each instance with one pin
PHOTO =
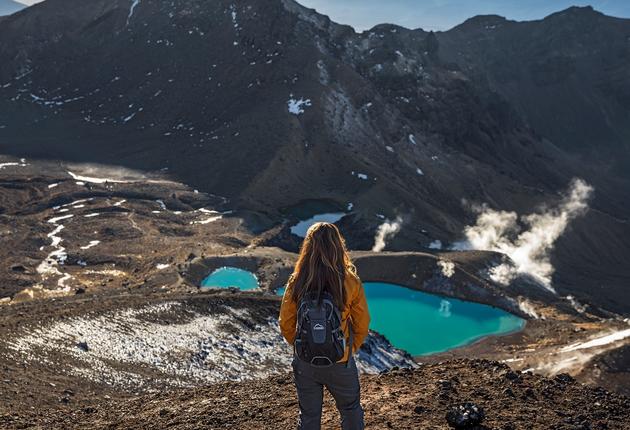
(319, 340)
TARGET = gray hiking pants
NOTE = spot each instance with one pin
(343, 384)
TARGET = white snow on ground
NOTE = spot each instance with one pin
(22, 163)
(162, 266)
(389, 148)
(53, 185)
(91, 215)
(59, 218)
(573, 358)
(234, 15)
(598, 341)
(362, 176)
(296, 107)
(419, 171)
(134, 4)
(162, 205)
(120, 202)
(49, 266)
(205, 347)
(412, 139)
(201, 349)
(92, 244)
(302, 227)
(436, 244)
(129, 118)
(207, 220)
(350, 206)
(215, 216)
(95, 180)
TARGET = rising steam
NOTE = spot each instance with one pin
(529, 249)
(386, 231)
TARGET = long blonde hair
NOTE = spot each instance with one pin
(322, 264)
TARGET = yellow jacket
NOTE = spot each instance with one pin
(355, 310)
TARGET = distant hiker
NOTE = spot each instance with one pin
(324, 315)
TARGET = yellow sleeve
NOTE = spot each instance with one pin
(360, 315)
(288, 315)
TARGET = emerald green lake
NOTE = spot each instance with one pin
(420, 323)
(226, 277)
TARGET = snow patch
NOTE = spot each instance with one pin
(13, 164)
(92, 244)
(132, 8)
(598, 341)
(59, 218)
(296, 107)
(302, 227)
(94, 180)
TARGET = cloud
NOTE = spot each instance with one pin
(529, 249)
(386, 231)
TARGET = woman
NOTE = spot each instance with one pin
(324, 270)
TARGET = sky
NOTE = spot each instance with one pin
(443, 14)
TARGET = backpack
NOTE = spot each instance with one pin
(319, 340)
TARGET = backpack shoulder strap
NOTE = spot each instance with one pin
(350, 341)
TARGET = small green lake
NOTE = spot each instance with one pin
(226, 277)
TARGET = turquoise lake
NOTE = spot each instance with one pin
(423, 323)
(417, 322)
(226, 277)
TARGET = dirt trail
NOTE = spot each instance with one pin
(401, 399)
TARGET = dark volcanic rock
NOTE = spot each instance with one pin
(465, 416)
(403, 399)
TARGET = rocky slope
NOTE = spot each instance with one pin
(577, 57)
(264, 100)
(100, 301)
(400, 399)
